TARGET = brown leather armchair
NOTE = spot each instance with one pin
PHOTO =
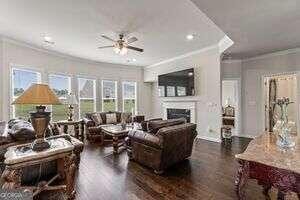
(159, 151)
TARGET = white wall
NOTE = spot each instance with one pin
(207, 88)
(17, 54)
(251, 73)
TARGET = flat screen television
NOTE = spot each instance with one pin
(177, 84)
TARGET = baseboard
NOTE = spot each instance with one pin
(209, 138)
(244, 136)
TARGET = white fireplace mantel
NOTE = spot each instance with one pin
(190, 105)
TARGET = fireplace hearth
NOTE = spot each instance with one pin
(174, 113)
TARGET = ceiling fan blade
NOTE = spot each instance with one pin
(135, 48)
(108, 38)
(131, 40)
(104, 47)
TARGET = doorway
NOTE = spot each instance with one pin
(231, 97)
(275, 87)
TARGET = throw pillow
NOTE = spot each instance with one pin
(126, 117)
(111, 118)
(96, 117)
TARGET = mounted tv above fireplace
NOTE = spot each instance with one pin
(177, 84)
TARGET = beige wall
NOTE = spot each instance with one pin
(20, 55)
(252, 72)
(207, 87)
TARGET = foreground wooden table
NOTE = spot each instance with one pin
(21, 156)
(264, 161)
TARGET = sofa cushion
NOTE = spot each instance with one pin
(111, 118)
(126, 117)
(154, 126)
(22, 131)
(96, 117)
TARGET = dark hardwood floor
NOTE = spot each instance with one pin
(208, 174)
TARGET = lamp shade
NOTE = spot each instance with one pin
(71, 100)
(39, 94)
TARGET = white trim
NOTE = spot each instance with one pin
(183, 56)
(180, 105)
(245, 136)
(277, 53)
(212, 139)
(231, 61)
(224, 44)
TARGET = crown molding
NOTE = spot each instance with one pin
(62, 55)
(183, 56)
(277, 53)
(231, 61)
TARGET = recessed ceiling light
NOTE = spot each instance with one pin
(190, 37)
(47, 38)
(190, 74)
(133, 59)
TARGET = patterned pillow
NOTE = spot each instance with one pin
(96, 117)
(111, 118)
(126, 117)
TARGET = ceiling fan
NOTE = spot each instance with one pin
(121, 45)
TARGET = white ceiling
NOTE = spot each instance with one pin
(256, 26)
(76, 26)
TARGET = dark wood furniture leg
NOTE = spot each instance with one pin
(66, 169)
(65, 127)
(76, 130)
(280, 195)
(82, 130)
(11, 178)
(241, 179)
(115, 144)
(266, 189)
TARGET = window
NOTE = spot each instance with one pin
(129, 96)
(21, 80)
(61, 85)
(109, 96)
(87, 97)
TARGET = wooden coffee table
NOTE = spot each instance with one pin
(117, 133)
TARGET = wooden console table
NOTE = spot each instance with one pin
(264, 161)
(78, 127)
(21, 156)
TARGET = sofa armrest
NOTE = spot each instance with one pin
(145, 138)
(88, 122)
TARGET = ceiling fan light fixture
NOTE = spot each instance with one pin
(117, 50)
(123, 51)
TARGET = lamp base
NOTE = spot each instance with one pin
(40, 145)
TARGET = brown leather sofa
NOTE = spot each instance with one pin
(166, 143)
(93, 131)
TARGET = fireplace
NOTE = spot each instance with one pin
(174, 113)
(182, 106)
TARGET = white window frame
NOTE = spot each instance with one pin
(116, 94)
(12, 97)
(62, 99)
(135, 94)
(84, 98)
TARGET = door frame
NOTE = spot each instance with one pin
(294, 73)
(238, 113)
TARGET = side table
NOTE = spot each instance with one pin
(78, 127)
(21, 156)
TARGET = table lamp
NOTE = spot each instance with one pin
(71, 101)
(39, 94)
